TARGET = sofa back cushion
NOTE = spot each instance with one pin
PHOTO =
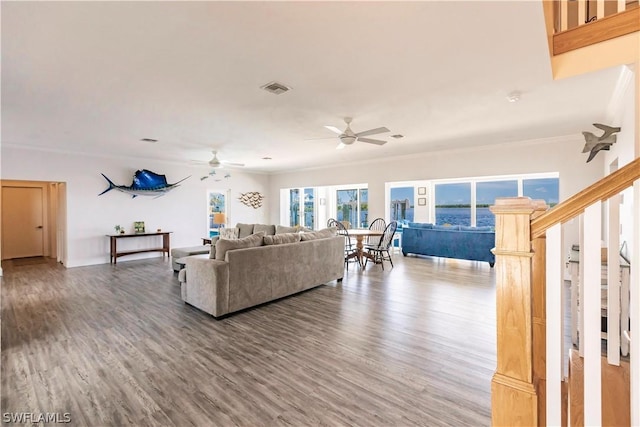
(244, 230)
(228, 233)
(212, 250)
(280, 239)
(224, 245)
(284, 229)
(424, 225)
(269, 229)
(320, 234)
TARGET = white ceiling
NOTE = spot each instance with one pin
(96, 77)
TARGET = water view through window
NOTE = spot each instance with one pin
(453, 203)
(486, 194)
(402, 208)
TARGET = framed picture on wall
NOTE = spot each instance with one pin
(422, 201)
(422, 191)
(138, 227)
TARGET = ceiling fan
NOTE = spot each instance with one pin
(348, 136)
(217, 164)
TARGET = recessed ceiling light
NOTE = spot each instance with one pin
(514, 96)
(151, 140)
(267, 158)
(397, 136)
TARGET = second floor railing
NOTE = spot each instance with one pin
(580, 23)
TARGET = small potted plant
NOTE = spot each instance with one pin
(119, 229)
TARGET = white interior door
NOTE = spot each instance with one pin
(22, 222)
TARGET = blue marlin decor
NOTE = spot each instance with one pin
(145, 183)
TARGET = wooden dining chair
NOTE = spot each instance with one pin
(350, 251)
(378, 224)
(380, 252)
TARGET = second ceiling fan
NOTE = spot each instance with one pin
(348, 136)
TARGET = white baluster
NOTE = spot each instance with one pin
(555, 316)
(581, 288)
(564, 17)
(600, 9)
(582, 12)
(635, 308)
(613, 282)
(622, 5)
(591, 288)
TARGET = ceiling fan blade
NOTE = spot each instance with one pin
(334, 129)
(372, 141)
(231, 163)
(373, 131)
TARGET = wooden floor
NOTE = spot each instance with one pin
(115, 345)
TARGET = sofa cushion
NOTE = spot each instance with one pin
(423, 225)
(244, 229)
(282, 238)
(224, 245)
(447, 227)
(212, 251)
(269, 229)
(284, 229)
(485, 228)
(320, 234)
(228, 233)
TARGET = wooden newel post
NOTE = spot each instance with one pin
(514, 399)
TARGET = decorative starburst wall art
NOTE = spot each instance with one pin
(252, 198)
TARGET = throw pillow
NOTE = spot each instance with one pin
(244, 229)
(320, 234)
(306, 230)
(269, 230)
(228, 233)
(282, 238)
(224, 245)
(212, 250)
(280, 229)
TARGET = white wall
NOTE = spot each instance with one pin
(623, 114)
(561, 154)
(90, 217)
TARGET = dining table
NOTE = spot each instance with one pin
(360, 234)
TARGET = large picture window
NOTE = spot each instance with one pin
(546, 189)
(352, 206)
(302, 209)
(453, 203)
(402, 208)
(486, 194)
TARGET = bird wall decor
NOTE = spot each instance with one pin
(252, 198)
(594, 144)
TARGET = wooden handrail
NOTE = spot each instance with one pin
(602, 190)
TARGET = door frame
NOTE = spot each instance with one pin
(54, 215)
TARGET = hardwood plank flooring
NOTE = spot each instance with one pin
(115, 345)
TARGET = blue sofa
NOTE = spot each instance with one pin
(460, 242)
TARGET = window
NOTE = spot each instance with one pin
(486, 194)
(352, 205)
(217, 211)
(309, 208)
(453, 203)
(546, 189)
(294, 207)
(402, 205)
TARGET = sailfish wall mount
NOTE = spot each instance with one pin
(145, 183)
(594, 144)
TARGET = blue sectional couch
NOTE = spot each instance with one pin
(460, 242)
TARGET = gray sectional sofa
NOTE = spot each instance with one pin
(260, 268)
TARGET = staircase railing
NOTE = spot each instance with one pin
(580, 23)
(528, 387)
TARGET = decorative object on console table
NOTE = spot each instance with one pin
(138, 227)
(252, 198)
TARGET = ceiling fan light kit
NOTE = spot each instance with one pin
(348, 136)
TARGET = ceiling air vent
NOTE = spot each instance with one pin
(397, 136)
(275, 87)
